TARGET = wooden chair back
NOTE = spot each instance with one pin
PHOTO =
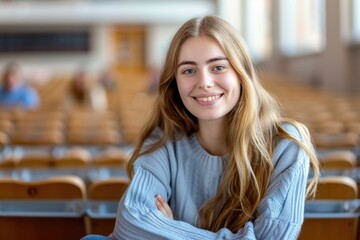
(7, 163)
(75, 157)
(40, 138)
(34, 161)
(111, 157)
(339, 159)
(347, 140)
(56, 188)
(108, 189)
(332, 188)
(42, 227)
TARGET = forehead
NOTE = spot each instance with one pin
(200, 48)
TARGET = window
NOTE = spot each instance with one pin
(302, 26)
(257, 26)
(356, 20)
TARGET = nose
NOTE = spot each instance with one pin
(205, 80)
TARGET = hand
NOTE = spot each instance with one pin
(163, 207)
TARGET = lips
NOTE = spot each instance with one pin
(208, 98)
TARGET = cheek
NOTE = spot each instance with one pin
(232, 84)
(183, 87)
(184, 92)
(234, 87)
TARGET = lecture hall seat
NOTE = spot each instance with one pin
(332, 188)
(112, 157)
(106, 189)
(338, 160)
(38, 224)
(74, 157)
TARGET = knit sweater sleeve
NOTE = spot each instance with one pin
(279, 215)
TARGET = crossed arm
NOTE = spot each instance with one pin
(144, 212)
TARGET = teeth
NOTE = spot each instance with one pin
(208, 99)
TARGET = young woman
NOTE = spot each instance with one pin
(216, 160)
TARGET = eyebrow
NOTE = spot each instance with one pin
(207, 62)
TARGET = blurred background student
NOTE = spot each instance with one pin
(15, 92)
(86, 93)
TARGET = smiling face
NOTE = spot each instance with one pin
(207, 84)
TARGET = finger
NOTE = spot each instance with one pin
(160, 207)
(164, 206)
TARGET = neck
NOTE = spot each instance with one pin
(212, 137)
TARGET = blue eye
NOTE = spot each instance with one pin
(188, 71)
(218, 68)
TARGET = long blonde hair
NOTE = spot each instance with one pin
(255, 127)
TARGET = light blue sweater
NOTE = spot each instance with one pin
(187, 176)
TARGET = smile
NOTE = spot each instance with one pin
(208, 99)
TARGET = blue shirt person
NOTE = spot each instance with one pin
(14, 92)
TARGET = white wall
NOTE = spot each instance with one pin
(230, 10)
(158, 40)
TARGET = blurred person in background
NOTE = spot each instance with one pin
(14, 92)
(86, 93)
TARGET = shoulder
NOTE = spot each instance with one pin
(288, 153)
(292, 130)
(156, 161)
